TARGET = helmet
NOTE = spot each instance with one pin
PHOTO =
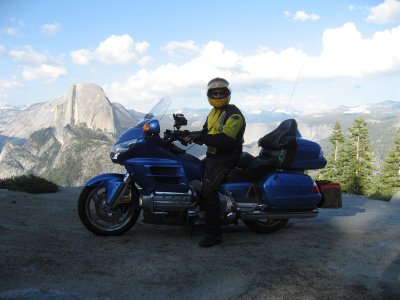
(218, 92)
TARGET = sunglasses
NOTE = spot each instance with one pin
(218, 93)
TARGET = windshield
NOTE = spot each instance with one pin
(159, 110)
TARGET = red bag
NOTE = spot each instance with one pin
(331, 193)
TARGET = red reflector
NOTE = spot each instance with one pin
(315, 188)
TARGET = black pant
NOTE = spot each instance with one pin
(216, 169)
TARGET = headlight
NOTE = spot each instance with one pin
(120, 148)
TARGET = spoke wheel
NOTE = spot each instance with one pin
(102, 220)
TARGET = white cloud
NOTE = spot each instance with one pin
(15, 27)
(145, 60)
(112, 51)
(81, 57)
(345, 52)
(302, 16)
(50, 29)
(2, 49)
(282, 103)
(9, 31)
(28, 55)
(172, 79)
(37, 66)
(45, 72)
(188, 47)
(10, 84)
(141, 47)
(268, 102)
(386, 12)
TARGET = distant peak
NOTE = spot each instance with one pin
(86, 103)
(389, 103)
(87, 85)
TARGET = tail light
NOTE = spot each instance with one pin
(315, 188)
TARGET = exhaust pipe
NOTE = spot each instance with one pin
(257, 215)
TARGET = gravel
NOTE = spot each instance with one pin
(347, 253)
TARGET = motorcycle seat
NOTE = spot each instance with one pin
(279, 146)
(278, 150)
(249, 168)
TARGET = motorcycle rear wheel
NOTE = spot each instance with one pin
(265, 226)
(101, 221)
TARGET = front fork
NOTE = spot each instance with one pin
(116, 190)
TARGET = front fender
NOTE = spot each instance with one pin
(110, 181)
(102, 178)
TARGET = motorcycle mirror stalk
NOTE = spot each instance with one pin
(180, 121)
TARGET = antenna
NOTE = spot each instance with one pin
(294, 87)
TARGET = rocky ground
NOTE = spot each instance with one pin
(348, 253)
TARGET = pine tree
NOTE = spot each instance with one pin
(333, 171)
(389, 180)
(337, 139)
(357, 161)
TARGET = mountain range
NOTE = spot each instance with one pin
(68, 139)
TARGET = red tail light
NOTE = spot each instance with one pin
(315, 188)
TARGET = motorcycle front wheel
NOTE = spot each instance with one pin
(102, 220)
(265, 226)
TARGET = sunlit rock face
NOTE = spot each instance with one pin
(85, 104)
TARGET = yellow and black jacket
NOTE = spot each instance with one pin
(223, 130)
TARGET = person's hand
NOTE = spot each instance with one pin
(192, 137)
(197, 138)
(187, 140)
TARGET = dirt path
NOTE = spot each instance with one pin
(45, 253)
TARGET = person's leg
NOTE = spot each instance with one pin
(215, 173)
(212, 208)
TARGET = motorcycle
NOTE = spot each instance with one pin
(164, 181)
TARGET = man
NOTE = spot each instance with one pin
(223, 135)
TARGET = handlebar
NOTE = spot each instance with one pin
(171, 136)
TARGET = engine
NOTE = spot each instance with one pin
(168, 207)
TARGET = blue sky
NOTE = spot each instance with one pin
(339, 52)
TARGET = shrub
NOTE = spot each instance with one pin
(28, 184)
(382, 195)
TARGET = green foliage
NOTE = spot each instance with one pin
(29, 184)
(357, 164)
(67, 172)
(40, 137)
(388, 182)
(333, 169)
(85, 141)
(350, 162)
(382, 195)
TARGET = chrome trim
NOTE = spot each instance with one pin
(158, 202)
(173, 193)
(256, 215)
(121, 190)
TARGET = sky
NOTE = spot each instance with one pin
(302, 56)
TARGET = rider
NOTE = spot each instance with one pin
(222, 133)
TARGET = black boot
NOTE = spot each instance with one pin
(210, 240)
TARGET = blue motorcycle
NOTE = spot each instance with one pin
(164, 181)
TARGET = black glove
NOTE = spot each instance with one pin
(193, 137)
(197, 137)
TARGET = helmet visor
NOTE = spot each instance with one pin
(218, 93)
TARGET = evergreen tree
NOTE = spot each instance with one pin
(357, 161)
(389, 180)
(333, 170)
